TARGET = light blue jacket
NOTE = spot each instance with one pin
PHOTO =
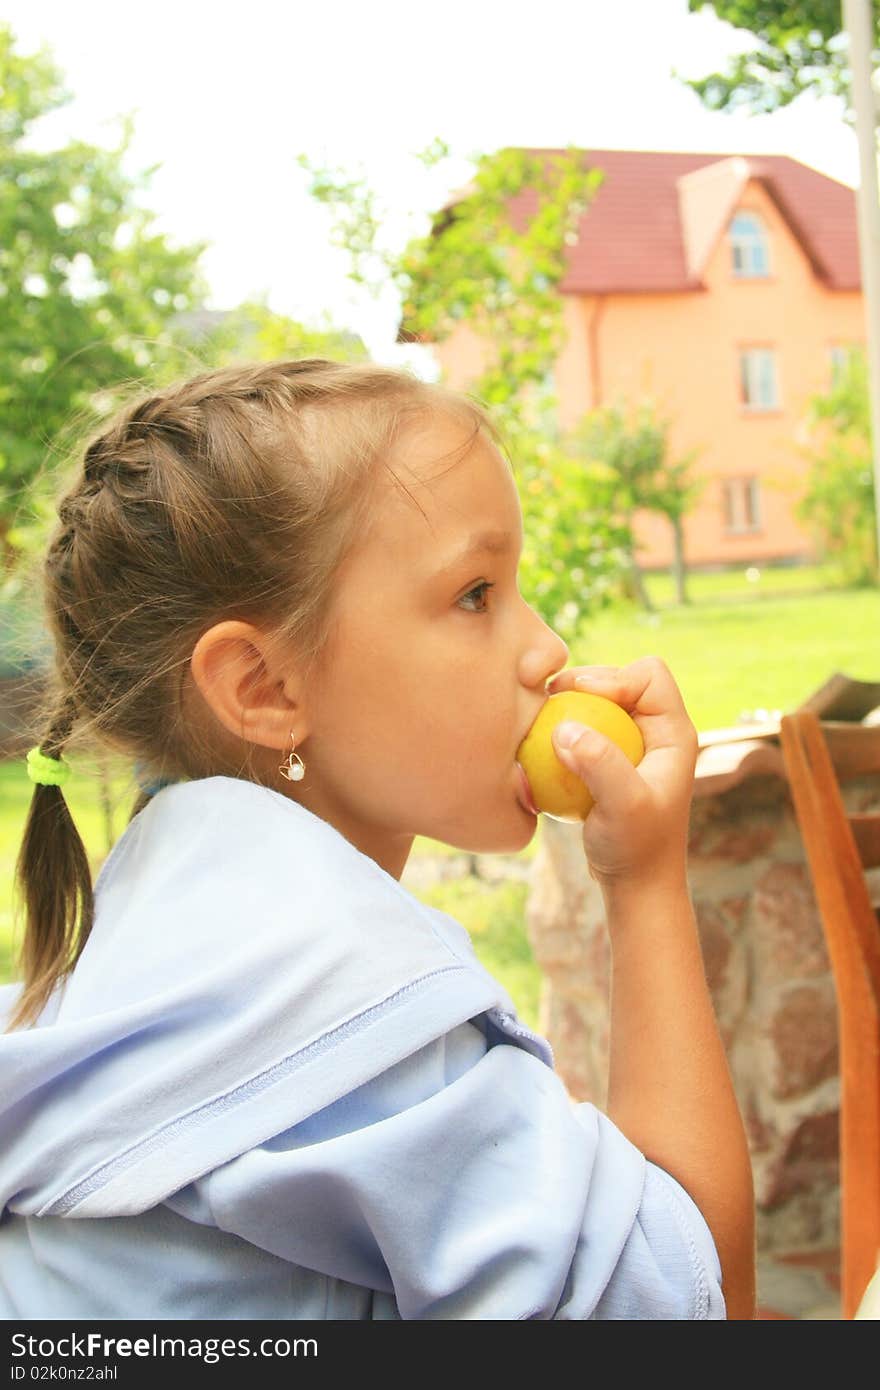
(278, 1086)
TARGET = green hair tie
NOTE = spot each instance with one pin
(47, 772)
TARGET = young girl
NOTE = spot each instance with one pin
(252, 1076)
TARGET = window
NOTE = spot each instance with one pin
(742, 510)
(757, 378)
(749, 248)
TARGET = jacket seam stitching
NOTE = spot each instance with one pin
(228, 1100)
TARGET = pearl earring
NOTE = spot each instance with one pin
(294, 772)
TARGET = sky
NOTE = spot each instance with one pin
(225, 96)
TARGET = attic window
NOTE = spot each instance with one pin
(748, 245)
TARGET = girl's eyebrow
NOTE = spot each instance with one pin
(491, 542)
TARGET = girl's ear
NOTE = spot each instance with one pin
(249, 694)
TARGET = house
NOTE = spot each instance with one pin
(725, 289)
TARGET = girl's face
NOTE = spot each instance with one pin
(436, 666)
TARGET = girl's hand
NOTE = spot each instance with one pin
(637, 831)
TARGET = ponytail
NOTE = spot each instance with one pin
(53, 877)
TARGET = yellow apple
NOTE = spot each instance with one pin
(556, 790)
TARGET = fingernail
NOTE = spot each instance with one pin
(567, 733)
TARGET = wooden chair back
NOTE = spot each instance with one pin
(840, 847)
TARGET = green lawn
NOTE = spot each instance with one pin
(736, 649)
(494, 915)
(745, 583)
(741, 645)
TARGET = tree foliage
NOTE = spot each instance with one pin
(498, 266)
(628, 447)
(800, 47)
(839, 500)
(89, 289)
(482, 260)
(494, 258)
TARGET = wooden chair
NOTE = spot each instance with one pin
(840, 847)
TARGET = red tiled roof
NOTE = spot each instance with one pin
(632, 237)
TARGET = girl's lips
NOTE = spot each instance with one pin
(526, 800)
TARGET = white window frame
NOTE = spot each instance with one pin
(758, 378)
(741, 499)
(749, 246)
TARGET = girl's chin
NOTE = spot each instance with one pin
(512, 841)
(506, 840)
(517, 845)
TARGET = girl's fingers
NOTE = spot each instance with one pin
(646, 689)
(565, 680)
(646, 686)
(611, 779)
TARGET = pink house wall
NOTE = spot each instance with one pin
(681, 350)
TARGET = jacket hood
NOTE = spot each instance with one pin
(246, 962)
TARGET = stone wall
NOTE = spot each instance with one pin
(769, 975)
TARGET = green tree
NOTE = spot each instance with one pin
(629, 447)
(89, 290)
(576, 548)
(494, 258)
(676, 494)
(800, 47)
(839, 500)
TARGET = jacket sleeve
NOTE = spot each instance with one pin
(465, 1183)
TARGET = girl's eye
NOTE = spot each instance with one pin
(480, 590)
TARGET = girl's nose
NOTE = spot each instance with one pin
(545, 655)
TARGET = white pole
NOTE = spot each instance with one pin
(858, 22)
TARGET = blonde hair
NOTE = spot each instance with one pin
(234, 494)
